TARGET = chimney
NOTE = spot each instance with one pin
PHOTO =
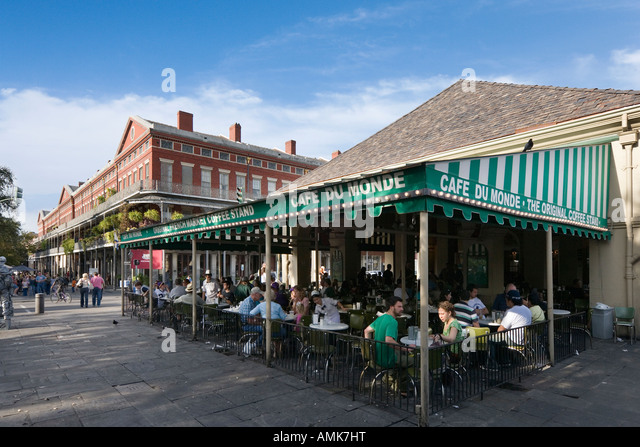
(290, 147)
(335, 154)
(234, 132)
(185, 121)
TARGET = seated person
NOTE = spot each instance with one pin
(249, 323)
(385, 329)
(279, 296)
(277, 313)
(517, 315)
(500, 303)
(452, 330)
(475, 302)
(533, 303)
(160, 294)
(187, 298)
(464, 313)
(226, 295)
(298, 297)
(179, 289)
(143, 290)
(327, 307)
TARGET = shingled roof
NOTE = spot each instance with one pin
(456, 118)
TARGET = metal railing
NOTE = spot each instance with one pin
(380, 372)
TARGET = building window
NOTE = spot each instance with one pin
(271, 165)
(271, 186)
(241, 182)
(257, 163)
(166, 172)
(286, 168)
(241, 159)
(224, 156)
(166, 144)
(187, 178)
(205, 182)
(187, 149)
(224, 185)
(299, 171)
(140, 173)
(205, 152)
(256, 185)
(146, 171)
(478, 266)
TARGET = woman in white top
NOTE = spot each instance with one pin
(83, 286)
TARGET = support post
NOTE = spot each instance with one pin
(424, 319)
(549, 256)
(268, 294)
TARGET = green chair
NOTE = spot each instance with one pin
(582, 305)
(624, 316)
(213, 322)
(321, 350)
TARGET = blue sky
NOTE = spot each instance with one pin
(326, 74)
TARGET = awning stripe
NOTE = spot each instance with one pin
(571, 184)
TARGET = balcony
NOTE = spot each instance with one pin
(150, 187)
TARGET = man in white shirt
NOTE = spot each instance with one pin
(210, 289)
(517, 315)
(475, 302)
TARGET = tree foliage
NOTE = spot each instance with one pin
(15, 244)
(6, 190)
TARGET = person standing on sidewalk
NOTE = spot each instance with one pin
(83, 287)
(98, 284)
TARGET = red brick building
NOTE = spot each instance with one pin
(171, 169)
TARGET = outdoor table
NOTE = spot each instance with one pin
(330, 326)
(492, 325)
(561, 312)
(408, 341)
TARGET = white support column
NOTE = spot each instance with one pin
(122, 278)
(268, 293)
(150, 282)
(549, 256)
(424, 318)
(194, 299)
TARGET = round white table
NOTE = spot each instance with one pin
(330, 326)
(407, 341)
(561, 312)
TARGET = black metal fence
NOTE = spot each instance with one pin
(380, 372)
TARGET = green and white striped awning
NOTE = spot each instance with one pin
(567, 188)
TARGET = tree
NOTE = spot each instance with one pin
(6, 190)
(15, 244)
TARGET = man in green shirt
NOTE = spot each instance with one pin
(385, 329)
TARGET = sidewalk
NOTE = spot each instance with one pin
(73, 367)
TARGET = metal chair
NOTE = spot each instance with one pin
(318, 347)
(212, 322)
(624, 316)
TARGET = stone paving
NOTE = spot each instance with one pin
(72, 367)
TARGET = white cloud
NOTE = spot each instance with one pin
(625, 68)
(49, 141)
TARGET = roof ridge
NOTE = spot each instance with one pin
(555, 87)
